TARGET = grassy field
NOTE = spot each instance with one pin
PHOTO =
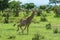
(7, 30)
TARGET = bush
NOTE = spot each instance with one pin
(37, 37)
(55, 30)
(16, 12)
(43, 18)
(57, 10)
(39, 12)
(48, 10)
(4, 15)
(6, 20)
(48, 26)
(11, 37)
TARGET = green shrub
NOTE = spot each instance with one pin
(4, 15)
(48, 10)
(37, 37)
(43, 18)
(48, 26)
(55, 30)
(39, 12)
(57, 10)
(11, 37)
(6, 20)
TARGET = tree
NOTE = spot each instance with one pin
(42, 7)
(29, 5)
(15, 5)
(57, 10)
(6, 20)
(54, 1)
(3, 4)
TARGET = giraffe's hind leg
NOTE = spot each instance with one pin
(19, 27)
(27, 30)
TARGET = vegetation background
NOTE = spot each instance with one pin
(44, 26)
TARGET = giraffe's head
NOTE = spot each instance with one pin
(34, 10)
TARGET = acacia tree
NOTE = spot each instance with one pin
(3, 4)
(15, 5)
(43, 7)
(29, 5)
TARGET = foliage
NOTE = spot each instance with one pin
(36, 37)
(48, 26)
(7, 29)
(54, 1)
(42, 7)
(6, 20)
(14, 4)
(6, 15)
(39, 12)
(55, 30)
(43, 18)
(57, 10)
(49, 8)
(11, 37)
(16, 12)
(29, 5)
(4, 4)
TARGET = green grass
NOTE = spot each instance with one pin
(7, 30)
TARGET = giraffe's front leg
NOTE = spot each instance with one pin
(21, 29)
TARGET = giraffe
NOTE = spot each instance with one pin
(25, 22)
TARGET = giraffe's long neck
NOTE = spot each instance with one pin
(31, 17)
